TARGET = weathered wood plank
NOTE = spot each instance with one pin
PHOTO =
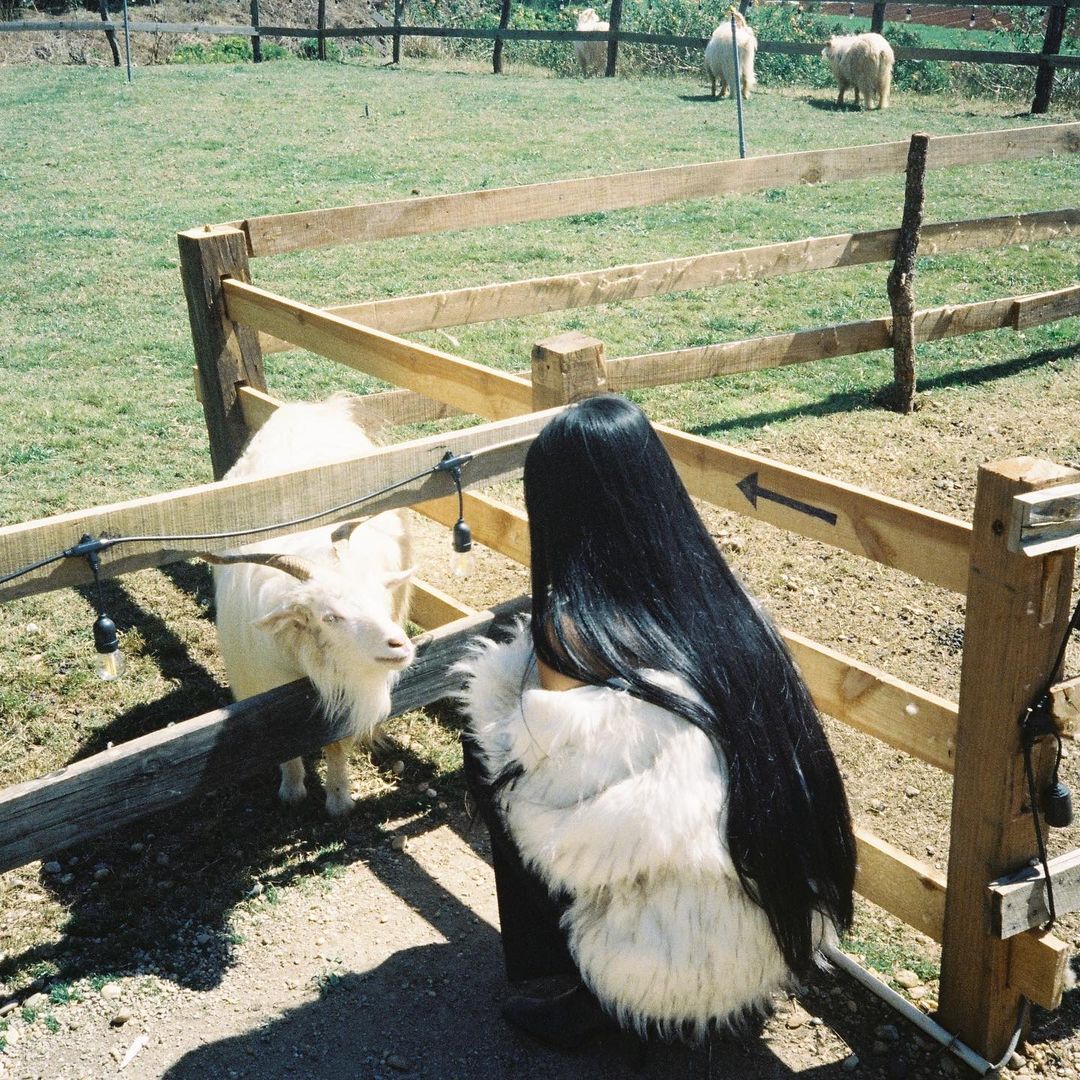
(227, 355)
(124, 783)
(1018, 901)
(588, 288)
(1046, 307)
(931, 546)
(906, 887)
(275, 234)
(1016, 611)
(864, 697)
(464, 384)
(915, 892)
(502, 528)
(431, 607)
(225, 505)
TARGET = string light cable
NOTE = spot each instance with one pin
(110, 661)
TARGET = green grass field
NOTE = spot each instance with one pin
(96, 395)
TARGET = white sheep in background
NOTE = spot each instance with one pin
(720, 56)
(864, 61)
(326, 604)
(591, 55)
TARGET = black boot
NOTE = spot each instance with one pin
(566, 1022)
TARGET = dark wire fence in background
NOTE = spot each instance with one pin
(1046, 61)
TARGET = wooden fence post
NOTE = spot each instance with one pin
(321, 53)
(565, 368)
(1044, 79)
(228, 355)
(1017, 609)
(614, 19)
(504, 22)
(877, 19)
(256, 41)
(399, 6)
(110, 33)
(900, 285)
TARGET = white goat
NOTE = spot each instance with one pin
(326, 603)
(864, 61)
(591, 55)
(720, 57)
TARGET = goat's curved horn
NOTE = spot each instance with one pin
(300, 568)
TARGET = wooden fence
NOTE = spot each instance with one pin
(1017, 603)
(1047, 60)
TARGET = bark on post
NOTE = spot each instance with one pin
(322, 30)
(228, 355)
(256, 41)
(877, 19)
(901, 279)
(110, 33)
(504, 22)
(1044, 79)
(399, 6)
(614, 19)
(566, 368)
(1017, 609)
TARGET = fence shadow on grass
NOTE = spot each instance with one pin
(851, 401)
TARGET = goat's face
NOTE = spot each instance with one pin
(348, 629)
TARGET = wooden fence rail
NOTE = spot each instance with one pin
(276, 234)
(612, 284)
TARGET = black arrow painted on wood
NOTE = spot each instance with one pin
(753, 491)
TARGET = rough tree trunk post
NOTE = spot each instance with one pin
(877, 19)
(900, 285)
(1017, 610)
(256, 41)
(110, 33)
(614, 18)
(1044, 79)
(504, 22)
(322, 30)
(399, 6)
(565, 368)
(228, 355)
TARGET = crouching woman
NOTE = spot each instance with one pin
(668, 823)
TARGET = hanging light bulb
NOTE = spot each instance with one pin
(109, 660)
(907, 14)
(463, 559)
(851, 10)
(971, 21)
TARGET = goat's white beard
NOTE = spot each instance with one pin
(364, 700)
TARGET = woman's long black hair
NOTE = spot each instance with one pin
(626, 577)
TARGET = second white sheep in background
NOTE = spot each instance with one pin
(326, 604)
(591, 55)
(720, 56)
(864, 61)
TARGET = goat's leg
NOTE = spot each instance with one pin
(339, 800)
(292, 788)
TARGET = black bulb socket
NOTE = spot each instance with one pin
(462, 536)
(1057, 805)
(105, 638)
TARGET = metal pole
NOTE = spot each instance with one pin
(736, 90)
(127, 41)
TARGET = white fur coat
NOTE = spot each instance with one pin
(621, 804)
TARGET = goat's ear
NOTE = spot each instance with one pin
(295, 616)
(392, 581)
